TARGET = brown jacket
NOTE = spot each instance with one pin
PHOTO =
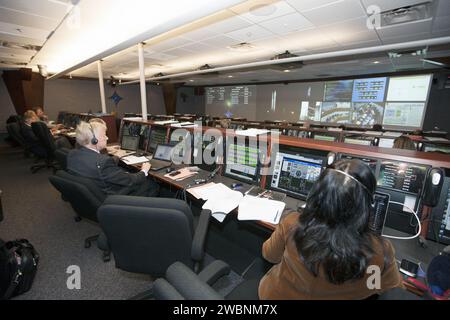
(290, 279)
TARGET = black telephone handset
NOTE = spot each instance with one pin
(432, 187)
(378, 212)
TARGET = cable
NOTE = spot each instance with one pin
(415, 215)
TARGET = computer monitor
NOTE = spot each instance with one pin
(204, 151)
(324, 137)
(296, 170)
(372, 163)
(157, 136)
(358, 141)
(241, 160)
(401, 176)
(436, 148)
(181, 139)
(386, 143)
(129, 143)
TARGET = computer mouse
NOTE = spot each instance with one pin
(170, 169)
(236, 185)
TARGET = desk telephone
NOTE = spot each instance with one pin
(378, 212)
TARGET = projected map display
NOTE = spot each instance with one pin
(369, 90)
(338, 112)
(403, 114)
(367, 113)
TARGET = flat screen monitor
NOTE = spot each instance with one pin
(435, 148)
(204, 151)
(444, 229)
(386, 143)
(401, 176)
(324, 137)
(130, 143)
(157, 136)
(358, 141)
(241, 160)
(296, 170)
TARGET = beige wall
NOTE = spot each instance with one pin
(84, 95)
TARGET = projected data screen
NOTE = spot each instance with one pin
(295, 173)
(231, 101)
(407, 114)
(367, 113)
(369, 90)
(241, 161)
(401, 176)
(411, 88)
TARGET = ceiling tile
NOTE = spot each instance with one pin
(263, 11)
(441, 23)
(443, 8)
(335, 12)
(386, 5)
(200, 34)
(197, 47)
(406, 38)
(44, 8)
(228, 25)
(27, 20)
(405, 29)
(350, 31)
(17, 51)
(309, 39)
(20, 40)
(15, 57)
(306, 5)
(168, 44)
(220, 41)
(21, 31)
(250, 34)
(288, 23)
(161, 56)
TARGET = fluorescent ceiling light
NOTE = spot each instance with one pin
(101, 26)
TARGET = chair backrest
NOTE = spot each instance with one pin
(44, 135)
(1, 207)
(146, 235)
(83, 194)
(61, 157)
(14, 132)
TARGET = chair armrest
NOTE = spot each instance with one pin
(188, 284)
(198, 242)
(214, 271)
(162, 290)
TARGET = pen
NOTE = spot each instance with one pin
(276, 216)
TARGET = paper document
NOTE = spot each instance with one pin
(209, 190)
(223, 203)
(392, 134)
(253, 208)
(134, 159)
(374, 133)
(436, 139)
(251, 132)
(180, 174)
(116, 151)
(166, 122)
(184, 125)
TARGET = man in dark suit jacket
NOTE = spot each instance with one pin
(88, 162)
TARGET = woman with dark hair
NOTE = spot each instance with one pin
(404, 142)
(325, 252)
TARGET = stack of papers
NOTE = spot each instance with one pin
(134, 160)
(166, 122)
(253, 208)
(392, 134)
(251, 132)
(181, 175)
(184, 125)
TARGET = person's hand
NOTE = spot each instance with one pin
(146, 166)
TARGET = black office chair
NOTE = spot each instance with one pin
(84, 196)
(61, 157)
(14, 131)
(181, 283)
(146, 235)
(47, 141)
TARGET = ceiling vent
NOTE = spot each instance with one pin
(242, 47)
(406, 14)
(288, 65)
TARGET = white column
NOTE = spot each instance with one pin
(102, 87)
(142, 81)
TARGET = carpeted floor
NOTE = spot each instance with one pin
(34, 210)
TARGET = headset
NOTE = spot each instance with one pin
(371, 194)
(94, 139)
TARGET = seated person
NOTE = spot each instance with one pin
(404, 142)
(88, 162)
(40, 113)
(324, 252)
(377, 127)
(29, 117)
